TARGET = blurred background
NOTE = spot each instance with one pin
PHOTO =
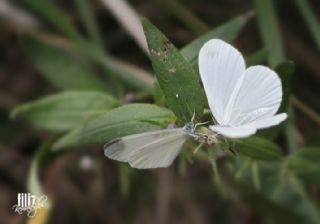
(43, 53)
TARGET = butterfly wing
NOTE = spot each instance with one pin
(220, 67)
(269, 121)
(234, 132)
(257, 99)
(147, 150)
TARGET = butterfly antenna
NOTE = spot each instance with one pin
(202, 123)
(193, 116)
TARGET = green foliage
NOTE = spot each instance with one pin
(66, 110)
(177, 79)
(268, 24)
(228, 32)
(258, 148)
(53, 15)
(305, 160)
(121, 121)
(310, 18)
(61, 68)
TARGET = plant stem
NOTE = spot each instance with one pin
(256, 176)
(313, 115)
(290, 130)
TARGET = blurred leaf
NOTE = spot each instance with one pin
(184, 15)
(257, 57)
(61, 69)
(228, 32)
(129, 74)
(263, 205)
(292, 194)
(34, 185)
(125, 120)
(313, 139)
(53, 15)
(269, 30)
(86, 11)
(65, 110)
(175, 75)
(33, 182)
(285, 71)
(290, 130)
(305, 160)
(258, 148)
(124, 178)
(310, 19)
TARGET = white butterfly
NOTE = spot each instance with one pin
(241, 100)
(153, 149)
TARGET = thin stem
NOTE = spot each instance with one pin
(242, 169)
(256, 176)
(290, 131)
(313, 115)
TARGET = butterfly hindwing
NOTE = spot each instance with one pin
(147, 150)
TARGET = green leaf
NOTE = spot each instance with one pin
(256, 58)
(306, 160)
(53, 15)
(62, 69)
(310, 18)
(65, 110)
(258, 148)
(34, 185)
(285, 71)
(227, 31)
(125, 120)
(87, 13)
(125, 72)
(269, 30)
(176, 77)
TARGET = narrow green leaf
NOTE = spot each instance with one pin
(305, 160)
(285, 70)
(60, 20)
(184, 15)
(127, 73)
(175, 75)
(310, 19)
(34, 185)
(290, 190)
(62, 69)
(269, 30)
(65, 110)
(86, 11)
(125, 120)
(258, 148)
(257, 57)
(227, 31)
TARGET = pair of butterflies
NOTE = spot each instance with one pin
(241, 101)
